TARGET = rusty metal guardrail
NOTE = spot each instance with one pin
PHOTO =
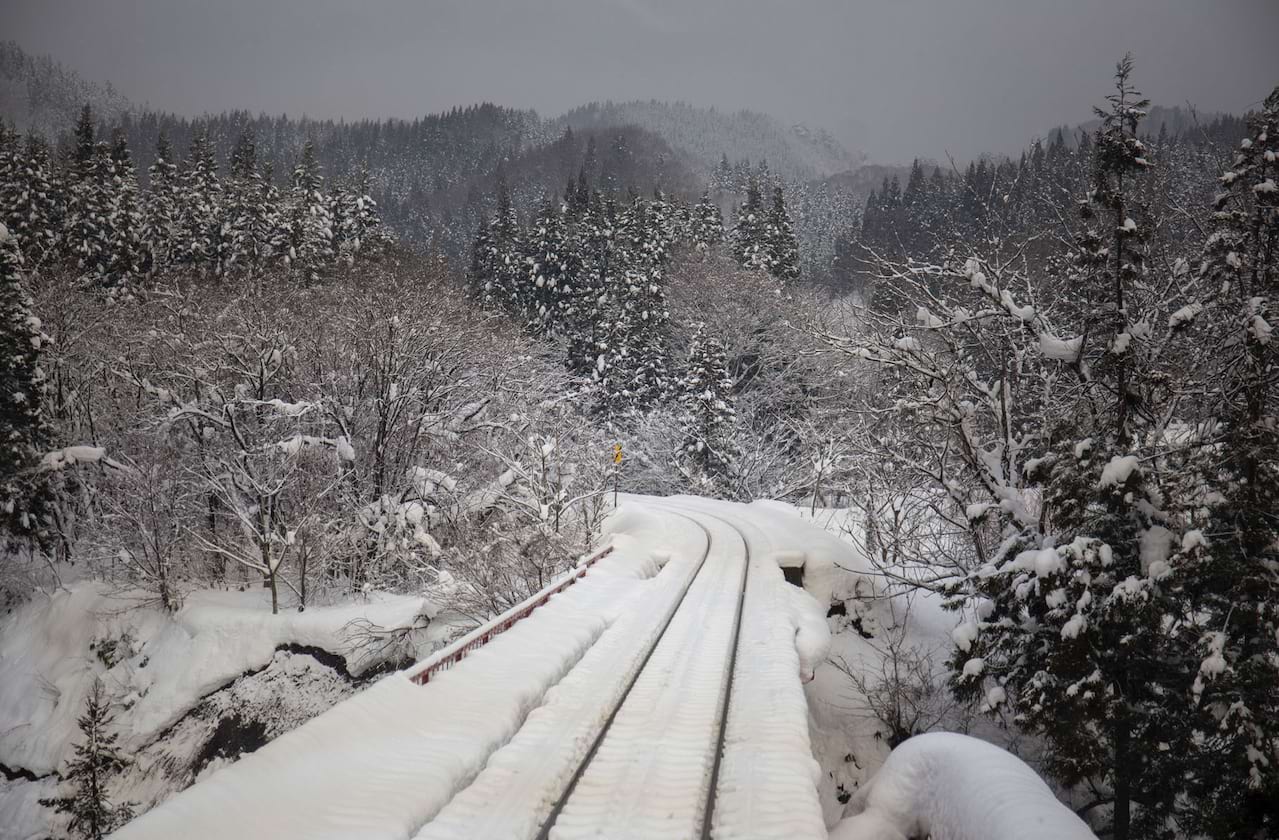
(455, 652)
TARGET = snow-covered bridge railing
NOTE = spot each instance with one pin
(451, 654)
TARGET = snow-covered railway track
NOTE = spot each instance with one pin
(653, 770)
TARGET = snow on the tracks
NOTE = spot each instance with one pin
(651, 775)
(521, 782)
(953, 787)
(384, 762)
(768, 776)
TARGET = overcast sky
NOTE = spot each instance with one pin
(894, 78)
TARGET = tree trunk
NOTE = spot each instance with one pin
(1123, 814)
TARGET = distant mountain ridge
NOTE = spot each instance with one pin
(707, 134)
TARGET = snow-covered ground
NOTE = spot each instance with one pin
(489, 746)
(222, 658)
(528, 727)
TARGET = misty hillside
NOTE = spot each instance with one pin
(38, 94)
(707, 134)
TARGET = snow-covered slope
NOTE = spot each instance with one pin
(223, 656)
(952, 787)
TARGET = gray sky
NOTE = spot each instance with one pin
(895, 78)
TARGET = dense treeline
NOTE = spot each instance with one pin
(1035, 193)
(85, 209)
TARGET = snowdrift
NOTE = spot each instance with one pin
(953, 787)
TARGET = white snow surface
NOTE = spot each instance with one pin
(382, 763)
(954, 787)
(488, 746)
(163, 665)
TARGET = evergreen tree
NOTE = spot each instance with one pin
(252, 212)
(203, 239)
(37, 209)
(88, 236)
(592, 252)
(750, 231)
(98, 758)
(1228, 571)
(707, 223)
(127, 252)
(310, 224)
(84, 143)
(781, 246)
(509, 290)
(160, 216)
(24, 433)
(709, 453)
(1076, 623)
(480, 275)
(635, 373)
(547, 269)
(357, 224)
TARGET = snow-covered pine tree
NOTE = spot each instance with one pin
(707, 223)
(127, 251)
(10, 169)
(88, 235)
(84, 141)
(781, 246)
(160, 215)
(357, 226)
(37, 208)
(591, 249)
(1076, 622)
(24, 432)
(1228, 569)
(249, 212)
(635, 370)
(709, 453)
(203, 239)
(750, 230)
(509, 290)
(546, 265)
(481, 272)
(98, 758)
(310, 225)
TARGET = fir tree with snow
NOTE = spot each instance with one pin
(160, 216)
(781, 246)
(1227, 569)
(707, 224)
(1077, 625)
(709, 452)
(98, 759)
(251, 213)
(309, 222)
(127, 250)
(750, 230)
(88, 237)
(24, 431)
(509, 290)
(203, 238)
(546, 261)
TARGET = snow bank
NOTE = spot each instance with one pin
(831, 566)
(52, 648)
(953, 787)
